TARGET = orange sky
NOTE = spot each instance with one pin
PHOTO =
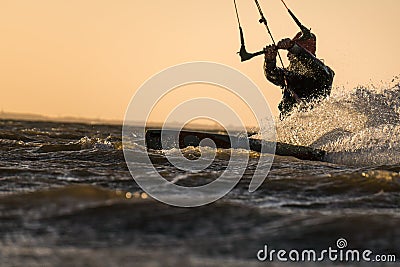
(87, 58)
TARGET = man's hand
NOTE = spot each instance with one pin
(285, 44)
(270, 52)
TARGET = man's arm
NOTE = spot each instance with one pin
(273, 74)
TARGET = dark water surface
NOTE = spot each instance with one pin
(67, 199)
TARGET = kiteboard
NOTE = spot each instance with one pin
(158, 139)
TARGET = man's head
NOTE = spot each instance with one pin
(307, 41)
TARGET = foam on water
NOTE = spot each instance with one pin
(356, 127)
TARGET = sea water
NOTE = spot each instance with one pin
(68, 199)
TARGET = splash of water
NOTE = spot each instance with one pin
(357, 127)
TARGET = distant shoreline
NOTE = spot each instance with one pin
(67, 119)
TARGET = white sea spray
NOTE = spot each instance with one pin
(360, 126)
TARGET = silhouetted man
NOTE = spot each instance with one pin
(306, 79)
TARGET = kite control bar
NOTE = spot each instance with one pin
(244, 55)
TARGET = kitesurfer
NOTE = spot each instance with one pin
(306, 80)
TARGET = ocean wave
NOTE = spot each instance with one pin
(9, 135)
(63, 200)
(109, 143)
(58, 133)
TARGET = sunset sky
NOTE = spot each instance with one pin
(87, 58)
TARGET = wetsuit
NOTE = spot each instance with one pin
(306, 76)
